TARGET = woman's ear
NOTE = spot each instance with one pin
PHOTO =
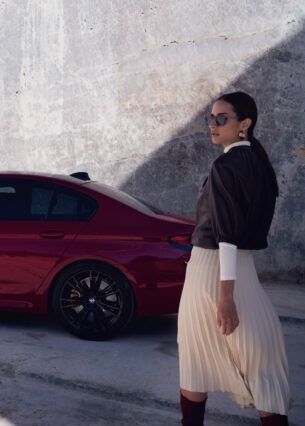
(244, 126)
(246, 123)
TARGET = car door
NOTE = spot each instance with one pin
(38, 222)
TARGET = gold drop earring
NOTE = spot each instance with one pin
(242, 134)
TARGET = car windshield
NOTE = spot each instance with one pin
(121, 196)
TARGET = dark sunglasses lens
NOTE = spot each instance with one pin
(208, 119)
(221, 120)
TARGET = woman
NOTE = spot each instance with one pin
(229, 335)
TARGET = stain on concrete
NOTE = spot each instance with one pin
(168, 348)
(36, 336)
(7, 370)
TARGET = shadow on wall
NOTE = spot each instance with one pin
(173, 175)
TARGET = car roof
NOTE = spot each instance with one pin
(35, 175)
(78, 180)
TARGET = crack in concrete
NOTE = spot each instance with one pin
(142, 399)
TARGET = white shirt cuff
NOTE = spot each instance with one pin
(227, 260)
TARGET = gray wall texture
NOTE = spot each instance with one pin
(119, 88)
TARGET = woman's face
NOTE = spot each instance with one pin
(228, 133)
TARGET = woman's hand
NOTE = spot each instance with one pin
(227, 317)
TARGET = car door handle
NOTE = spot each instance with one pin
(52, 234)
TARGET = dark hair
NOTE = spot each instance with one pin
(245, 107)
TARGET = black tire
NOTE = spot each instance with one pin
(93, 300)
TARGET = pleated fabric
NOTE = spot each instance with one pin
(250, 365)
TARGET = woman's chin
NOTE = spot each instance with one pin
(215, 140)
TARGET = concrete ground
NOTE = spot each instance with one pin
(49, 377)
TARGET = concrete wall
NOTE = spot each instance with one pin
(119, 88)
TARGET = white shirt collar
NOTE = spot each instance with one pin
(241, 143)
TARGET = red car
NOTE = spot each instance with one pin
(91, 254)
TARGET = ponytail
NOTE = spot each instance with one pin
(260, 151)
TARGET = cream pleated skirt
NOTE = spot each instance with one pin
(250, 364)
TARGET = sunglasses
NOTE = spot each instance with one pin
(219, 119)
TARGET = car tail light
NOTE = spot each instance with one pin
(181, 241)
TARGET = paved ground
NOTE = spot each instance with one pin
(49, 378)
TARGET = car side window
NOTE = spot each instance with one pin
(65, 205)
(56, 203)
(12, 202)
(40, 202)
(30, 200)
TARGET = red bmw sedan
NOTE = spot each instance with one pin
(91, 254)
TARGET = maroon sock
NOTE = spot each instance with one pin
(275, 420)
(192, 412)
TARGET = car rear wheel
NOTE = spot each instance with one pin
(93, 300)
